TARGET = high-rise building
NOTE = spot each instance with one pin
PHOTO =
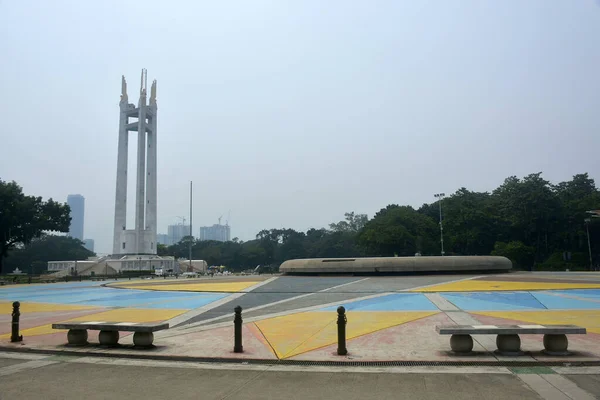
(77, 204)
(177, 232)
(89, 244)
(220, 233)
(141, 239)
(162, 238)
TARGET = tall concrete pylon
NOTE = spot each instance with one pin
(142, 239)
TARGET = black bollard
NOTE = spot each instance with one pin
(237, 331)
(15, 337)
(341, 323)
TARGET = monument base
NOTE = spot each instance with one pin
(390, 265)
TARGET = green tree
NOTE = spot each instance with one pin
(34, 257)
(532, 211)
(353, 223)
(24, 218)
(470, 225)
(521, 255)
(399, 230)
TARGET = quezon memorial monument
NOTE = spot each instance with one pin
(133, 249)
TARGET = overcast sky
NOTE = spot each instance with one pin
(290, 113)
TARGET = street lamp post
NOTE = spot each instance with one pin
(587, 229)
(440, 196)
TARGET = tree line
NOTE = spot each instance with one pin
(536, 224)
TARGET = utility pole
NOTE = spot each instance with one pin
(191, 236)
(587, 228)
(440, 196)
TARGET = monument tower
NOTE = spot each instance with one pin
(142, 239)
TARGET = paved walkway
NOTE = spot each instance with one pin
(25, 376)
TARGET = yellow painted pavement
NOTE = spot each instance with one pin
(589, 319)
(117, 315)
(484, 286)
(196, 287)
(27, 307)
(294, 334)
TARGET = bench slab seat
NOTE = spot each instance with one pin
(508, 341)
(109, 331)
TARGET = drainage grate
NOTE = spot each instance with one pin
(350, 363)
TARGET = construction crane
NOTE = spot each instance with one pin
(181, 218)
(228, 217)
(220, 219)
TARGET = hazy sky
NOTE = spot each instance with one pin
(290, 113)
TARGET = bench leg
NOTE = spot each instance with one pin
(509, 345)
(461, 343)
(143, 339)
(556, 345)
(77, 337)
(108, 338)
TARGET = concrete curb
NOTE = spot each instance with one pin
(345, 362)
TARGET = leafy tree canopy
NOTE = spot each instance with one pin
(24, 218)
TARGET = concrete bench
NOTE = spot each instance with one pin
(109, 332)
(508, 341)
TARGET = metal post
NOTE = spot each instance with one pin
(191, 235)
(341, 324)
(15, 337)
(587, 228)
(237, 331)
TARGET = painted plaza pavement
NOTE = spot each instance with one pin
(389, 318)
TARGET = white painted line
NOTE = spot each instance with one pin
(440, 283)
(90, 322)
(201, 310)
(126, 323)
(342, 285)
(484, 326)
(13, 369)
(531, 326)
(206, 321)
(22, 356)
(202, 325)
(297, 297)
(265, 282)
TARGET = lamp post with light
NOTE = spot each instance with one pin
(440, 196)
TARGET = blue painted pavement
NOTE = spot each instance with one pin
(392, 302)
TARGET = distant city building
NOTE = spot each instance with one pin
(77, 204)
(220, 233)
(162, 238)
(89, 244)
(176, 233)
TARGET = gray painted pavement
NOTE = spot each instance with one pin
(308, 291)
